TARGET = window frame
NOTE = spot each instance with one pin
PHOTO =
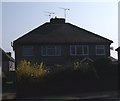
(98, 48)
(83, 53)
(47, 47)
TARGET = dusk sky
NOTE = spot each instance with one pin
(21, 17)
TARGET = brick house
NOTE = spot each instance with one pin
(58, 42)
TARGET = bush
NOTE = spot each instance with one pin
(27, 71)
(81, 66)
(35, 80)
(75, 66)
(72, 71)
(102, 65)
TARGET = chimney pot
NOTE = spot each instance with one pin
(57, 20)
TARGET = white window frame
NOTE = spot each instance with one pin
(27, 47)
(103, 47)
(47, 47)
(76, 50)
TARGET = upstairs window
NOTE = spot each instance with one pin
(78, 50)
(51, 50)
(100, 50)
(27, 50)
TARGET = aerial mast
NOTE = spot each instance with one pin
(49, 14)
(65, 9)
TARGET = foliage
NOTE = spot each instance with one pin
(102, 65)
(77, 77)
(72, 71)
(81, 66)
(75, 66)
(28, 70)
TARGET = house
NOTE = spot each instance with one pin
(58, 42)
(8, 63)
(118, 50)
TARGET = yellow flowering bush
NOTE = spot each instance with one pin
(26, 69)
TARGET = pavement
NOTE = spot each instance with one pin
(97, 96)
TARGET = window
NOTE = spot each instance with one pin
(51, 51)
(78, 50)
(27, 50)
(11, 66)
(100, 50)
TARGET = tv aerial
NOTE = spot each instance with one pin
(65, 9)
(49, 14)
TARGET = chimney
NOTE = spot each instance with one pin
(8, 53)
(57, 20)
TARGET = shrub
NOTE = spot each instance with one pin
(72, 71)
(81, 66)
(102, 66)
(26, 70)
(75, 66)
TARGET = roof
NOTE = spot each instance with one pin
(5, 56)
(118, 49)
(58, 31)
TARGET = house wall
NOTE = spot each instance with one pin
(92, 51)
(64, 58)
(5, 65)
(8, 66)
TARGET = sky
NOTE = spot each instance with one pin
(18, 18)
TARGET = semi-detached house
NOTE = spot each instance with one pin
(59, 42)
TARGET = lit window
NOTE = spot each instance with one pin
(100, 50)
(51, 51)
(27, 50)
(78, 50)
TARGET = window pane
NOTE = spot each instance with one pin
(27, 51)
(79, 49)
(85, 50)
(72, 50)
(51, 51)
(100, 50)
